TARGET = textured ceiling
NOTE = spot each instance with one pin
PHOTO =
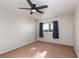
(55, 7)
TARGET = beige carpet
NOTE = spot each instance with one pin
(41, 50)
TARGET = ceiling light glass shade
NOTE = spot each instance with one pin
(33, 10)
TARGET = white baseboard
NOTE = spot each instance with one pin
(56, 43)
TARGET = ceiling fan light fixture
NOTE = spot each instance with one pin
(33, 10)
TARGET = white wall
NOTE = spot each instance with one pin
(65, 30)
(15, 31)
(76, 32)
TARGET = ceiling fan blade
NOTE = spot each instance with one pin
(40, 12)
(25, 8)
(41, 7)
(30, 3)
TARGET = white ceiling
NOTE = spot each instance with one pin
(55, 7)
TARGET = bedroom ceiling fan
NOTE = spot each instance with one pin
(34, 8)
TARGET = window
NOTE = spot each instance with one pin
(51, 27)
(47, 27)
